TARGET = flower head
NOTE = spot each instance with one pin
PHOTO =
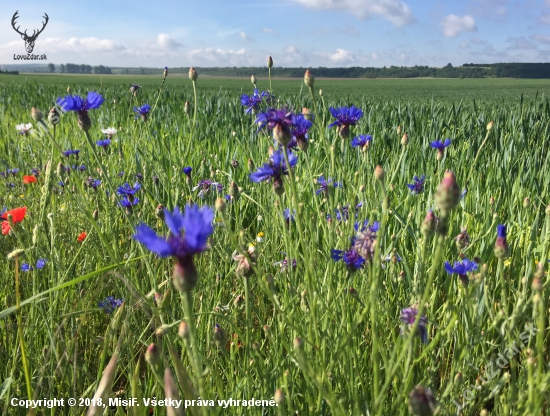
(134, 88)
(345, 117)
(25, 267)
(82, 236)
(279, 121)
(274, 170)
(205, 185)
(81, 106)
(109, 132)
(110, 304)
(23, 128)
(29, 179)
(417, 187)
(70, 152)
(253, 102)
(440, 145)
(408, 316)
(364, 240)
(142, 111)
(461, 268)
(324, 185)
(187, 170)
(361, 141)
(351, 258)
(300, 127)
(103, 143)
(501, 245)
(127, 190)
(128, 202)
(40, 263)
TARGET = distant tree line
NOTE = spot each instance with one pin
(80, 69)
(9, 72)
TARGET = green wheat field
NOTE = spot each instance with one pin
(277, 319)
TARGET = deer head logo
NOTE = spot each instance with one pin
(29, 40)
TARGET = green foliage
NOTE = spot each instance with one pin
(350, 357)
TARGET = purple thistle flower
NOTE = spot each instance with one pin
(361, 141)
(189, 233)
(110, 304)
(142, 111)
(103, 143)
(418, 186)
(408, 316)
(324, 184)
(351, 258)
(440, 145)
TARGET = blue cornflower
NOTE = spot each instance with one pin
(110, 304)
(128, 190)
(461, 268)
(81, 106)
(142, 111)
(25, 267)
(61, 183)
(103, 143)
(134, 88)
(187, 170)
(418, 186)
(188, 236)
(408, 316)
(351, 257)
(120, 174)
(440, 145)
(205, 186)
(279, 121)
(324, 184)
(41, 263)
(463, 193)
(92, 183)
(69, 152)
(13, 171)
(300, 127)
(128, 201)
(252, 101)
(35, 171)
(275, 169)
(345, 117)
(361, 140)
(362, 227)
(81, 168)
(365, 239)
(10, 185)
(288, 216)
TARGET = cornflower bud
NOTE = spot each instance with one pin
(269, 62)
(309, 79)
(36, 114)
(186, 107)
(253, 80)
(421, 402)
(490, 126)
(448, 193)
(379, 173)
(501, 245)
(429, 224)
(193, 74)
(405, 139)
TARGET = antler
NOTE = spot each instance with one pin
(34, 35)
(13, 19)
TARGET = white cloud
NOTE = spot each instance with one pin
(454, 25)
(464, 45)
(520, 43)
(395, 11)
(166, 41)
(268, 30)
(541, 38)
(219, 57)
(341, 56)
(245, 37)
(374, 55)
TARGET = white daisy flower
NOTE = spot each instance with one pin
(24, 128)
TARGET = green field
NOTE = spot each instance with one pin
(318, 336)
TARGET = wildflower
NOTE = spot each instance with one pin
(362, 141)
(17, 215)
(429, 224)
(342, 213)
(188, 236)
(448, 193)
(461, 268)
(109, 132)
(244, 266)
(110, 304)
(365, 238)
(142, 111)
(134, 88)
(421, 402)
(324, 185)
(29, 179)
(345, 117)
(187, 170)
(351, 257)
(35, 172)
(24, 129)
(275, 169)
(408, 316)
(288, 216)
(103, 143)
(463, 193)
(128, 202)
(462, 240)
(253, 102)
(82, 236)
(253, 79)
(284, 264)
(205, 186)
(81, 106)
(280, 122)
(501, 245)
(165, 72)
(70, 152)
(417, 187)
(40, 263)
(25, 267)
(440, 146)
(92, 183)
(300, 127)
(128, 190)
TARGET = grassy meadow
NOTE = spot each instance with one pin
(273, 315)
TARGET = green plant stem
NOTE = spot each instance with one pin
(158, 96)
(20, 331)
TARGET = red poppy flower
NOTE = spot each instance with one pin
(17, 214)
(6, 228)
(82, 236)
(29, 179)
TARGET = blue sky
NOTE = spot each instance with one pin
(307, 33)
